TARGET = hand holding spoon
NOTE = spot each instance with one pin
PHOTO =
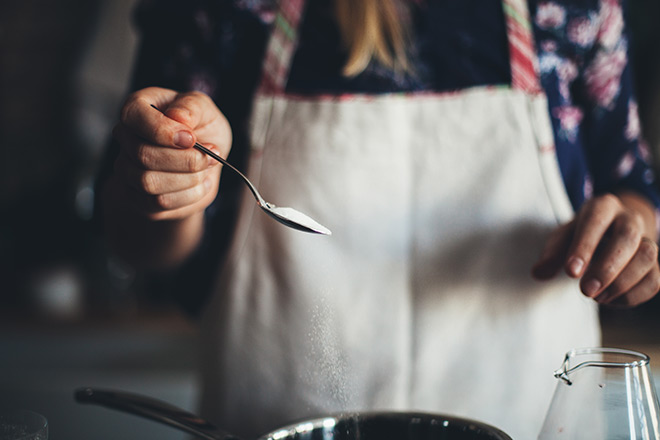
(287, 216)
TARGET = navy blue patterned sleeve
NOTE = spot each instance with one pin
(618, 157)
(585, 70)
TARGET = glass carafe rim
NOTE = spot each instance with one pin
(565, 369)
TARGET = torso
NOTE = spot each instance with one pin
(421, 299)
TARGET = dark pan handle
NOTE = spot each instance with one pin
(153, 409)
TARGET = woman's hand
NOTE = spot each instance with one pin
(154, 202)
(166, 178)
(611, 246)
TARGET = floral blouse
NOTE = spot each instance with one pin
(216, 46)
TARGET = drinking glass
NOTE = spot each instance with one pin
(23, 425)
(604, 394)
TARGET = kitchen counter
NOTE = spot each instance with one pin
(43, 362)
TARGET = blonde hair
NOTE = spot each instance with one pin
(373, 29)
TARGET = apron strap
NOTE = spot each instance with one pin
(522, 51)
(283, 42)
(281, 46)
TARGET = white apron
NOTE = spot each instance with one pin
(422, 298)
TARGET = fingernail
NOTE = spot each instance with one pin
(575, 266)
(183, 139)
(591, 287)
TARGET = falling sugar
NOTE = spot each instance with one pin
(331, 368)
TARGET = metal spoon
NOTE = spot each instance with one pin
(287, 216)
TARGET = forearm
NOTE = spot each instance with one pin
(145, 243)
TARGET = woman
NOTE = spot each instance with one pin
(425, 135)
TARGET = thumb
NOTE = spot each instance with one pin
(193, 109)
(554, 253)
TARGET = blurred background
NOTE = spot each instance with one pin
(70, 316)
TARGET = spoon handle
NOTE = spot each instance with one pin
(254, 191)
(153, 409)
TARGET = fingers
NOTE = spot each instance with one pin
(638, 282)
(140, 118)
(181, 119)
(162, 193)
(165, 178)
(161, 196)
(156, 182)
(610, 254)
(198, 111)
(641, 293)
(193, 109)
(170, 205)
(554, 253)
(153, 157)
(592, 223)
(615, 254)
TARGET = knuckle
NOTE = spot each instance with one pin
(608, 272)
(159, 133)
(628, 229)
(125, 113)
(584, 248)
(596, 217)
(609, 200)
(202, 191)
(144, 156)
(197, 95)
(198, 181)
(162, 201)
(190, 100)
(637, 218)
(655, 284)
(180, 113)
(194, 161)
(648, 251)
(149, 182)
(157, 216)
(128, 107)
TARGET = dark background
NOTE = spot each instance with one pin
(70, 316)
(65, 67)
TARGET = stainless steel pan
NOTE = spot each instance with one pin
(350, 426)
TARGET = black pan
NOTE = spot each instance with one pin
(350, 426)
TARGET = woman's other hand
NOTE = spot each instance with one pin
(611, 246)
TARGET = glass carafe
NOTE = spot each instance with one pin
(604, 394)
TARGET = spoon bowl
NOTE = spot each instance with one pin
(287, 216)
